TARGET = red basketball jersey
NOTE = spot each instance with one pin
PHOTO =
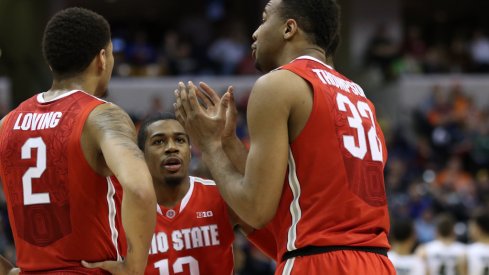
(334, 191)
(194, 237)
(60, 210)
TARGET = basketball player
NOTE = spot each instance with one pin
(194, 232)
(478, 251)
(444, 255)
(58, 150)
(314, 172)
(401, 253)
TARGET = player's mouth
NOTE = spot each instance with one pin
(253, 51)
(172, 164)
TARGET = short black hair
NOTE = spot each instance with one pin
(72, 39)
(402, 229)
(320, 19)
(142, 133)
(481, 218)
(445, 223)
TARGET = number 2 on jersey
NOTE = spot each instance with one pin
(355, 121)
(164, 269)
(34, 172)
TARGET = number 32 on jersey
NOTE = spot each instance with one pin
(358, 148)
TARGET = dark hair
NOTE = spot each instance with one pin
(445, 223)
(320, 19)
(481, 218)
(402, 229)
(72, 39)
(142, 133)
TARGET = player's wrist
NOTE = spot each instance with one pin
(211, 146)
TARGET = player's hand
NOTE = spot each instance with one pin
(114, 267)
(211, 101)
(205, 127)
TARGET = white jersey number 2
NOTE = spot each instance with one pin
(164, 268)
(34, 172)
(359, 150)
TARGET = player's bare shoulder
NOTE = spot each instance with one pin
(110, 119)
(110, 122)
(108, 126)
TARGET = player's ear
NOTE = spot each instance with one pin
(102, 59)
(290, 28)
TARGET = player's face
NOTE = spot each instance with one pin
(107, 73)
(268, 38)
(167, 151)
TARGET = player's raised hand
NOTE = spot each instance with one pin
(212, 100)
(205, 127)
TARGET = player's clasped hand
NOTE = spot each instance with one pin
(205, 123)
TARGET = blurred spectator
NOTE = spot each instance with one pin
(382, 52)
(458, 55)
(140, 54)
(479, 51)
(425, 226)
(403, 240)
(249, 260)
(228, 51)
(444, 255)
(436, 60)
(413, 50)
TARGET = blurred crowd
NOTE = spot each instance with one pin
(444, 167)
(194, 49)
(465, 50)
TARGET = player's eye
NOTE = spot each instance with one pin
(157, 141)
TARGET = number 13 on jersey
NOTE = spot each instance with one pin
(164, 268)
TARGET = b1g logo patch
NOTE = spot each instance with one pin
(204, 214)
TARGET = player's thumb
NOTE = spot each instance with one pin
(224, 103)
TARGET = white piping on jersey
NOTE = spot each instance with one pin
(112, 213)
(187, 196)
(41, 99)
(189, 193)
(288, 266)
(204, 181)
(158, 209)
(314, 59)
(295, 208)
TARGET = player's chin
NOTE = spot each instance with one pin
(174, 179)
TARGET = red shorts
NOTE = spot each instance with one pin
(342, 262)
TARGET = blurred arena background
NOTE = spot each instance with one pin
(424, 64)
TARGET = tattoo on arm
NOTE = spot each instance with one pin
(118, 127)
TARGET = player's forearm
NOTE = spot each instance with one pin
(232, 186)
(138, 218)
(236, 152)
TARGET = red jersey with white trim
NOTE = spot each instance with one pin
(194, 237)
(334, 191)
(61, 211)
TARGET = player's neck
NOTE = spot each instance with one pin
(404, 248)
(447, 240)
(170, 195)
(61, 86)
(313, 51)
